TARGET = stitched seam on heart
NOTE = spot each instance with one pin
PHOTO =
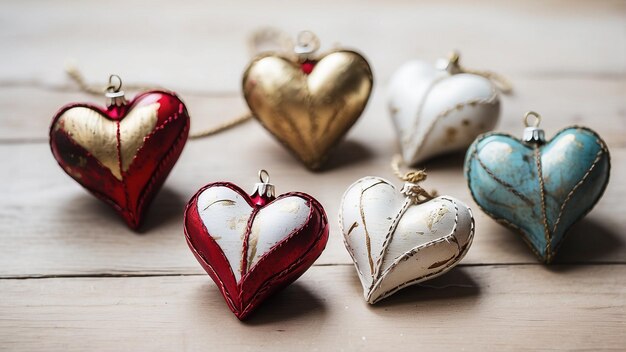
(267, 283)
(505, 184)
(411, 252)
(389, 236)
(542, 192)
(288, 237)
(243, 262)
(608, 156)
(516, 229)
(188, 208)
(96, 193)
(181, 139)
(341, 223)
(368, 243)
(451, 263)
(219, 279)
(238, 191)
(432, 275)
(237, 309)
(420, 107)
(313, 204)
(102, 196)
(472, 102)
(523, 234)
(118, 146)
(573, 190)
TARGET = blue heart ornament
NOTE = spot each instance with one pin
(538, 188)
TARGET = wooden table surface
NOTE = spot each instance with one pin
(74, 277)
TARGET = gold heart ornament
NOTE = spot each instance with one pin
(307, 103)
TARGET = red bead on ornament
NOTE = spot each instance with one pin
(307, 66)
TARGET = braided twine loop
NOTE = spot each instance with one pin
(412, 178)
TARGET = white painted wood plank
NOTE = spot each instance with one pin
(476, 309)
(202, 46)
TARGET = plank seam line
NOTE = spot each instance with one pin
(113, 275)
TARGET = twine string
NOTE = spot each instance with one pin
(412, 178)
(501, 82)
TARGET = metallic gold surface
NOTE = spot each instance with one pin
(138, 124)
(98, 135)
(309, 114)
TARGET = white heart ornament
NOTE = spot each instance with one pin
(395, 243)
(226, 215)
(437, 111)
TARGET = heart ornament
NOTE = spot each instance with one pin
(124, 153)
(536, 187)
(397, 239)
(253, 245)
(308, 101)
(443, 108)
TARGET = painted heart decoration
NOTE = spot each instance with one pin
(539, 190)
(252, 246)
(436, 112)
(122, 154)
(308, 106)
(395, 243)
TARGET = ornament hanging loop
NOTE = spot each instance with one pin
(113, 93)
(307, 43)
(453, 66)
(264, 192)
(536, 122)
(114, 87)
(532, 133)
(412, 178)
(264, 176)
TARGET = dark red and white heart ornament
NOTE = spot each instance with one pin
(254, 245)
(123, 153)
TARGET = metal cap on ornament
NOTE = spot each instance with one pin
(306, 45)
(264, 192)
(532, 133)
(114, 94)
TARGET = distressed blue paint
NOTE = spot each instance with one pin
(512, 192)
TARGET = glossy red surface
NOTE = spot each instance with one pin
(280, 266)
(131, 195)
(308, 66)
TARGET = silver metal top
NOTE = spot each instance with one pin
(532, 132)
(534, 135)
(264, 188)
(306, 44)
(114, 93)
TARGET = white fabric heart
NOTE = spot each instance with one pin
(226, 216)
(395, 243)
(435, 112)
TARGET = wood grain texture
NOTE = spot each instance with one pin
(51, 226)
(511, 307)
(596, 102)
(202, 46)
(73, 277)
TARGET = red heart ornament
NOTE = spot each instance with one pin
(122, 154)
(253, 245)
